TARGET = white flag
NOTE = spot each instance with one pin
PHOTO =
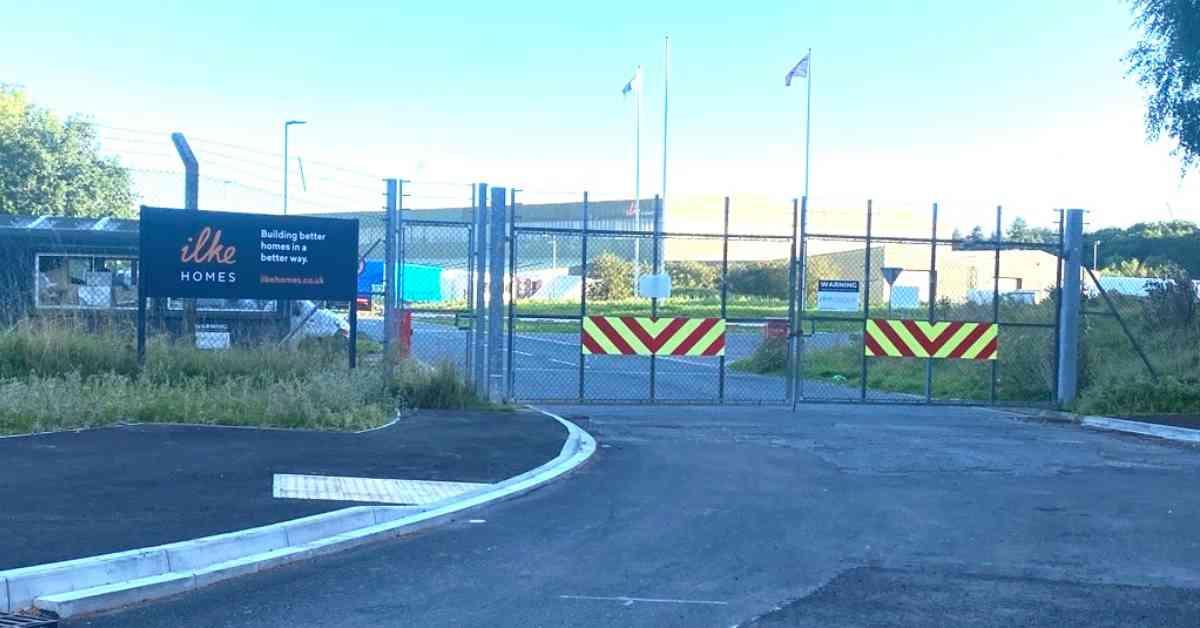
(800, 70)
(634, 84)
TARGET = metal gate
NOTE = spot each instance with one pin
(436, 279)
(890, 315)
(863, 314)
(573, 339)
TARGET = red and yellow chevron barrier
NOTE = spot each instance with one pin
(951, 340)
(629, 335)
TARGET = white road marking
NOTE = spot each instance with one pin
(575, 364)
(378, 490)
(630, 600)
(557, 342)
(528, 355)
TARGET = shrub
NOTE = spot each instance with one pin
(764, 279)
(687, 274)
(1171, 301)
(1139, 395)
(770, 356)
(417, 385)
(610, 278)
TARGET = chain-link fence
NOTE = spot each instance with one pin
(889, 314)
(1139, 342)
(710, 338)
(81, 275)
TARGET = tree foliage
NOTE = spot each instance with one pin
(1166, 62)
(50, 167)
(1148, 247)
(1020, 231)
(760, 279)
(691, 274)
(1172, 299)
(610, 278)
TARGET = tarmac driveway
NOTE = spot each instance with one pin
(838, 515)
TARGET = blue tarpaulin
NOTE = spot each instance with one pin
(421, 282)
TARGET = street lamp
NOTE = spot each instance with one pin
(285, 159)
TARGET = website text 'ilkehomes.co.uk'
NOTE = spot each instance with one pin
(300, 281)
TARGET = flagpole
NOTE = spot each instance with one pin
(807, 120)
(666, 92)
(637, 174)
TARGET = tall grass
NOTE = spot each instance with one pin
(60, 375)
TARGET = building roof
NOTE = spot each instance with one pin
(68, 223)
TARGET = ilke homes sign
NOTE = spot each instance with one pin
(222, 255)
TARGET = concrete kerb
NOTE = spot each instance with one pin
(1168, 432)
(99, 583)
(1108, 424)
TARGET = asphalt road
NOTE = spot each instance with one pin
(66, 495)
(834, 516)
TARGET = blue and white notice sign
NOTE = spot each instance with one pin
(839, 295)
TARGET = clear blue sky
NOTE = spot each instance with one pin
(970, 103)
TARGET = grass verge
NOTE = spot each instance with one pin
(56, 376)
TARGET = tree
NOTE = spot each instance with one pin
(1154, 243)
(50, 167)
(693, 274)
(1018, 230)
(1167, 63)
(610, 278)
(976, 234)
(1133, 267)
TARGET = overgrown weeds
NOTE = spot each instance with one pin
(57, 375)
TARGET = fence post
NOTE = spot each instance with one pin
(497, 242)
(1068, 309)
(933, 244)
(191, 200)
(724, 297)
(996, 297)
(866, 302)
(480, 318)
(583, 280)
(389, 270)
(512, 296)
(657, 265)
(801, 301)
(793, 320)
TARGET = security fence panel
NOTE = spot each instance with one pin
(878, 308)
(615, 367)
(760, 292)
(911, 318)
(434, 282)
(545, 292)
(831, 347)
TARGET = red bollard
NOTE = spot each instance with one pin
(403, 334)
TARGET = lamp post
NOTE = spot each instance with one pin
(285, 160)
(1096, 255)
